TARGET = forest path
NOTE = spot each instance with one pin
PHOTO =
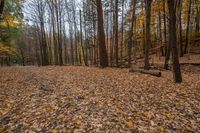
(83, 99)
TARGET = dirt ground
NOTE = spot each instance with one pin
(83, 99)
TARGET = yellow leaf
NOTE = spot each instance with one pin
(161, 129)
(129, 123)
(54, 131)
(1, 129)
(169, 116)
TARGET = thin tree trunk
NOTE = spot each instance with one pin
(160, 33)
(148, 32)
(198, 19)
(60, 35)
(180, 28)
(122, 30)
(112, 51)
(188, 26)
(130, 43)
(72, 48)
(165, 28)
(116, 33)
(2, 2)
(94, 38)
(81, 40)
(143, 31)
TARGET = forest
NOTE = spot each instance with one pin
(100, 66)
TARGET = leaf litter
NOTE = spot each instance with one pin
(82, 99)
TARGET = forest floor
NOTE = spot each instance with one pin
(83, 99)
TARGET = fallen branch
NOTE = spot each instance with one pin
(194, 64)
(156, 73)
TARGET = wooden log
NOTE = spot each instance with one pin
(188, 63)
(156, 73)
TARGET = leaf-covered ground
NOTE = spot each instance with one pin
(81, 99)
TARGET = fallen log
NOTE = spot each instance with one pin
(188, 63)
(156, 73)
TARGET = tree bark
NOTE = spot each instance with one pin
(81, 40)
(165, 28)
(156, 73)
(160, 33)
(173, 41)
(122, 30)
(130, 43)
(148, 32)
(188, 26)
(116, 33)
(101, 36)
(1, 7)
(198, 19)
(180, 28)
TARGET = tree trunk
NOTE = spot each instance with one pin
(94, 38)
(1, 12)
(1, 7)
(143, 31)
(198, 19)
(160, 33)
(165, 28)
(72, 47)
(122, 30)
(156, 73)
(173, 41)
(180, 28)
(75, 38)
(101, 36)
(81, 40)
(130, 43)
(116, 33)
(167, 57)
(148, 32)
(60, 35)
(113, 34)
(188, 26)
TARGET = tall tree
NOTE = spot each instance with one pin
(165, 27)
(188, 26)
(1, 6)
(1, 12)
(130, 43)
(148, 32)
(81, 41)
(179, 23)
(122, 30)
(116, 32)
(173, 41)
(101, 36)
